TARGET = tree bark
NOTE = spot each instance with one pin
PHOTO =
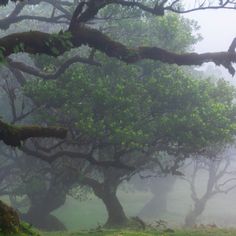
(116, 214)
(34, 42)
(107, 193)
(39, 213)
(191, 218)
(13, 135)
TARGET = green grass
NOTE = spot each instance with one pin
(84, 215)
(77, 215)
(178, 232)
(195, 232)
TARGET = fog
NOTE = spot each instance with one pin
(167, 200)
(103, 126)
(217, 31)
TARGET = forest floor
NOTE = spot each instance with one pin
(179, 232)
(79, 215)
(193, 232)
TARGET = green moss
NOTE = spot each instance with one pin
(10, 223)
(9, 220)
(9, 134)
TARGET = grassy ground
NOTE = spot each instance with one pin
(195, 232)
(199, 232)
(83, 215)
(77, 215)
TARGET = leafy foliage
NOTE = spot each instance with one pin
(139, 105)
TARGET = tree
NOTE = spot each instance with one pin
(160, 187)
(79, 34)
(220, 179)
(107, 116)
(119, 118)
(13, 135)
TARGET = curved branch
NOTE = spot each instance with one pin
(14, 16)
(160, 7)
(38, 42)
(74, 155)
(46, 76)
(5, 23)
(61, 19)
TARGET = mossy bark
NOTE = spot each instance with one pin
(13, 135)
(34, 42)
(9, 220)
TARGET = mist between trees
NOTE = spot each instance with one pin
(87, 121)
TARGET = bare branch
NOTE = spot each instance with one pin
(46, 76)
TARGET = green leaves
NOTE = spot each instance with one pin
(19, 48)
(112, 103)
(63, 39)
(139, 105)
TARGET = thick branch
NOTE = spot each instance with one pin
(38, 42)
(13, 135)
(74, 155)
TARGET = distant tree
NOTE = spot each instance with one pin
(160, 187)
(215, 167)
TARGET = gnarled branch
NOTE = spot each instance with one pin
(34, 42)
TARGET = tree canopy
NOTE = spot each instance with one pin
(79, 32)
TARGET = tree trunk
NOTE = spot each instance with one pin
(191, 218)
(41, 206)
(116, 214)
(157, 206)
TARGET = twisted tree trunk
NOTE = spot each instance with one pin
(116, 214)
(42, 204)
(191, 218)
(157, 206)
(106, 191)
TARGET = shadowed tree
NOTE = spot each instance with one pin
(160, 187)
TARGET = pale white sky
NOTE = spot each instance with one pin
(218, 30)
